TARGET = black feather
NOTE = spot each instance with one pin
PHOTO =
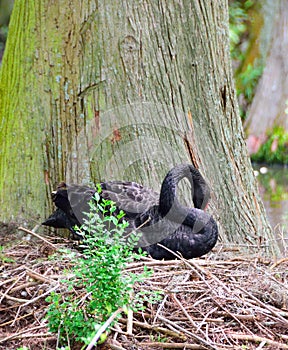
(160, 218)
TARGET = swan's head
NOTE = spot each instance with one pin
(60, 197)
(73, 200)
(201, 195)
(200, 190)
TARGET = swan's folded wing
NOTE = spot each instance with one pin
(131, 197)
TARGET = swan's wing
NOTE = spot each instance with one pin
(131, 197)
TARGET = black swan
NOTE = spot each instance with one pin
(161, 219)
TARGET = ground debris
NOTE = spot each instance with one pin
(216, 302)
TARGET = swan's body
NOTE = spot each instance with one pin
(162, 219)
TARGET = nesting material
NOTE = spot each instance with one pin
(222, 301)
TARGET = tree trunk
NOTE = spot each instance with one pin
(124, 91)
(269, 106)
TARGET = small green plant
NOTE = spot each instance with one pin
(3, 257)
(100, 285)
(244, 347)
(159, 338)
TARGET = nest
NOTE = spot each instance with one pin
(216, 302)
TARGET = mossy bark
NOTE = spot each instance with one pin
(125, 90)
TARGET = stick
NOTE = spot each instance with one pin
(37, 276)
(175, 346)
(203, 341)
(256, 338)
(103, 328)
(34, 299)
(175, 334)
(278, 262)
(8, 290)
(19, 318)
(116, 347)
(22, 286)
(187, 315)
(265, 306)
(38, 236)
(130, 321)
(18, 300)
(16, 335)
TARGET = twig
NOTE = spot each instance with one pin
(185, 331)
(16, 335)
(175, 334)
(232, 316)
(33, 300)
(37, 276)
(18, 300)
(36, 335)
(103, 328)
(206, 319)
(24, 285)
(160, 308)
(18, 319)
(38, 236)
(168, 332)
(116, 347)
(130, 321)
(137, 228)
(256, 338)
(265, 306)
(8, 281)
(8, 289)
(187, 315)
(174, 346)
(278, 263)
(192, 264)
(153, 262)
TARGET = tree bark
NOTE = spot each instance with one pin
(269, 106)
(124, 90)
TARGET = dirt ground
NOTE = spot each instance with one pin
(225, 300)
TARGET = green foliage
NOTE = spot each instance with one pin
(158, 338)
(3, 258)
(248, 80)
(275, 149)
(101, 274)
(238, 18)
(246, 77)
(238, 25)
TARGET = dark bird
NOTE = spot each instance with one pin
(190, 232)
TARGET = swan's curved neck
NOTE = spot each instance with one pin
(168, 202)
